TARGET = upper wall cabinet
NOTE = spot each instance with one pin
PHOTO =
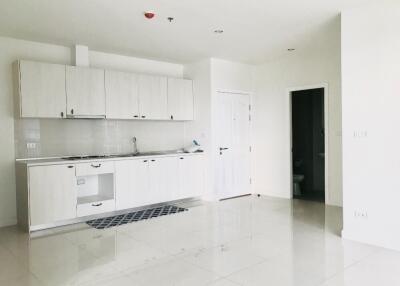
(122, 101)
(85, 92)
(153, 97)
(59, 91)
(41, 90)
(180, 99)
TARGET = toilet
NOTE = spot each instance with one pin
(297, 179)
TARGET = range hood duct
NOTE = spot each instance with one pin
(81, 56)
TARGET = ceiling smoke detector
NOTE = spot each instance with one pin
(149, 15)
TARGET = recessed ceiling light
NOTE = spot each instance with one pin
(219, 31)
(291, 50)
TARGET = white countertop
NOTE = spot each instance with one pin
(62, 160)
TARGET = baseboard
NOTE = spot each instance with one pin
(8, 222)
(334, 204)
(274, 195)
(369, 239)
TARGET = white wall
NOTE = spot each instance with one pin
(67, 137)
(209, 76)
(10, 50)
(232, 76)
(371, 119)
(226, 76)
(200, 128)
(271, 116)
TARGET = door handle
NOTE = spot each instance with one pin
(223, 148)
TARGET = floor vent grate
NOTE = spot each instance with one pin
(111, 221)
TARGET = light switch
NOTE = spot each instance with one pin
(360, 134)
(30, 145)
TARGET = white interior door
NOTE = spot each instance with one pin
(232, 176)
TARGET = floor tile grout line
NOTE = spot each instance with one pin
(342, 271)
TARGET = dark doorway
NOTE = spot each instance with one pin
(308, 144)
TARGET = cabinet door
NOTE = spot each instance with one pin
(85, 92)
(191, 174)
(153, 97)
(131, 184)
(163, 174)
(180, 99)
(42, 90)
(52, 194)
(122, 100)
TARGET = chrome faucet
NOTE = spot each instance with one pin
(135, 148)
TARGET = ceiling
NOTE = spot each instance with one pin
(254, 30)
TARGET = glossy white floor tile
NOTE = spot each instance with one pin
(246, 241)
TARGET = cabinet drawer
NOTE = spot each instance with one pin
(94, 168)
(95, 208)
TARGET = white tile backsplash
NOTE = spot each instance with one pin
(54, 137)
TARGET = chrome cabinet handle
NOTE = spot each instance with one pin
(96, 166)
(143, 116)
(135, 116)
(97, 205)
(70, 167)
(72, 111)
(223, 148)
(62, 114)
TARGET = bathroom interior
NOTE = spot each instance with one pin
(308, 144)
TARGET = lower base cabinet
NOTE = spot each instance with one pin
(95, 208)
(163, 179)
(52, 194)
(152, 181)
(191, 176)
(131, 178)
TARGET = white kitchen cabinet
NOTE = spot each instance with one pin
(141, 182)
(41, 90)
(52, 194)
(180, 99)
(164, 180)
(191, 176)
(85, 92)
(122, 100)
(94, 208)
(132, 183)
(153, 98)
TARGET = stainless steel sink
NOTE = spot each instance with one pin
(152, 153)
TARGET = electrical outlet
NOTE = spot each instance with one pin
(361, 214)
(360, 134)
(30, 145)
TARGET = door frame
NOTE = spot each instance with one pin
(289, 92)
(214, 142)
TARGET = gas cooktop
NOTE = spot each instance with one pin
(86, 157)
